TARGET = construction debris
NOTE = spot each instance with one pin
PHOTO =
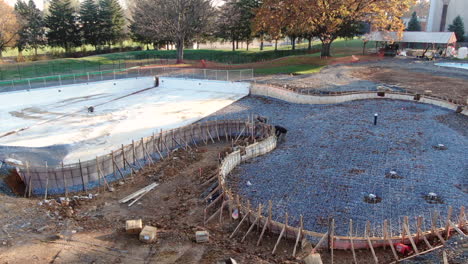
(138, 194)
(133, 226)
(202, 236)
(313, 258)
(148, 234)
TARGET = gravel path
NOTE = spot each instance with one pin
(334, 156)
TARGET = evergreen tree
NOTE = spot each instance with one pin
(111, 21)
(32, 31)
(413, 24)
(89, 19)
(62, 24)
(458, 27)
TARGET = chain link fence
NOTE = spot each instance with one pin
(69, 79)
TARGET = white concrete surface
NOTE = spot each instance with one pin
(46, 117)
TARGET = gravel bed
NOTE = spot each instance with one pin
(334, 156)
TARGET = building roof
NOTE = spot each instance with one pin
(413, 37)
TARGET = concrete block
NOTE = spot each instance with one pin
(313, 258)
(202, 236)
(148, 234)
(133, 226)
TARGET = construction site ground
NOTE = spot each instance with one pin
(92, 230)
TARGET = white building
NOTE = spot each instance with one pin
(443, 12)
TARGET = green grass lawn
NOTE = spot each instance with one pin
(124, 60)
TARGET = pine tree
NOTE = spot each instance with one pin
(89, 19)
(413, 24)
(111, 21)
(62, 24)
(458, 27)
(32, 31)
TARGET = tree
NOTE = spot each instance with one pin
(32, 31)
(89, 19)
(177, 20)
(229, 22)
(63, 27)
(331, 19)
(413, 24)
(458, 27)
(8, 27)
(111, 21)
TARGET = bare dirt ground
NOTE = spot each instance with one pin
(92, 230)
(399, 73)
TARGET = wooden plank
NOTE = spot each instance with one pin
(137, 193)
(299, 235)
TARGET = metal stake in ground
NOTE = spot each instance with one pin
(375, 118)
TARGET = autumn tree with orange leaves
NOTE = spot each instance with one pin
(8, 27)
(329, 19)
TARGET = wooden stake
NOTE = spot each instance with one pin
(82, 177)
(462, 218)
(447, 222)
(393, 249)
(217, 131)
(407, 230)
(459, 231)
(47, 181)
(65, 181)
(367, 231)
(351, 240)
(319, 243)
(30, 180)
(114, 164)
(221, 212)
(418, 228)
(123, 158)
(330, 242)
(259, 215)
(240, 223)
(376, 260)
(285, 226)
(299, 235)
(267, 223)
